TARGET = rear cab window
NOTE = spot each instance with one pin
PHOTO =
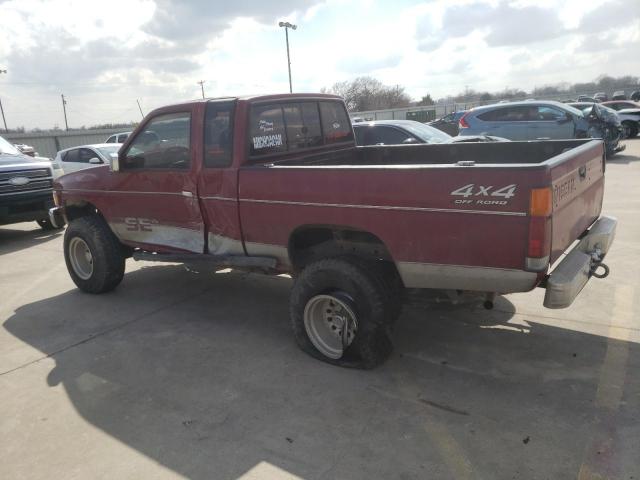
(291, 126)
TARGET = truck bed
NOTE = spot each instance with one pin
(445, 225)
(529, 153)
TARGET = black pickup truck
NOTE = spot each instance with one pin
(26, 192)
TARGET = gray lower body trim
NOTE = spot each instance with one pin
(460, 277)
(163, 235)
(220, 245)
(268, 250)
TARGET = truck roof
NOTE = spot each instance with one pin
(253, 98)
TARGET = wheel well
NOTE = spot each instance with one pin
(77, 210)
(309, 243)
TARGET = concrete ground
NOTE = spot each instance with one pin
(189, 375)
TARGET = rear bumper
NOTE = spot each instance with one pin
(568, 279)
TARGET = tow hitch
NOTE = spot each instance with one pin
(566, 281)
(596, 263)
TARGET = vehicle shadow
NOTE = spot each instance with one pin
(200, 374)
(622, 158)
(13, 239)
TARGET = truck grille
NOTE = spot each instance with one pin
(24, 181)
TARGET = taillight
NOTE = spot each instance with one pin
(539, 246)
(462, 123)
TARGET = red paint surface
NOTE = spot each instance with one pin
(442, 237)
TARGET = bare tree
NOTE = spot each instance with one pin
(367, 93)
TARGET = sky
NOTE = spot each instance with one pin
(103, 56)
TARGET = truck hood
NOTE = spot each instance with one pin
(13, 162)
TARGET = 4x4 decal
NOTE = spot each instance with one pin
(473, 190)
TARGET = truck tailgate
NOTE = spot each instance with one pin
(577, 180)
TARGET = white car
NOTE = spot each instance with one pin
(118, 137)
(86, 156)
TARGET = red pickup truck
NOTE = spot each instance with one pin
(276, 184)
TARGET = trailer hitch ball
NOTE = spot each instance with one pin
(605, 271)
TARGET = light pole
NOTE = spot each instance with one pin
(288, 26)
(2, 109)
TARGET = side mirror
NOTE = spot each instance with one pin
(410, 140)
(115, 162)
(95, 161)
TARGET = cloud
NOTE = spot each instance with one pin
(366, 65)
(196, 21)
(613, 14)
(58, 59)
(504, 24)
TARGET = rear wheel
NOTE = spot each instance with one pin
(93, 255)
(341, 313)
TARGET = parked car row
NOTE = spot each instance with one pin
(548, 120)
(26, 187)
(603, 97)
(398, 132)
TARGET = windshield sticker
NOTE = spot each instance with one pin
(267, 141)
(265, 126)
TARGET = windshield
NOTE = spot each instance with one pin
(6, 147)
(107, 151)
(426, 133)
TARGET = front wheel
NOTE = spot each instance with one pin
(93, 255)
(340, 313)
(46, 225)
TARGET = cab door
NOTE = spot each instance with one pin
(155, 204)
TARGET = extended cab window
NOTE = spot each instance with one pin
(335, 122)
(267, 130)
(303, 125)
(218, 134)
(164, 143)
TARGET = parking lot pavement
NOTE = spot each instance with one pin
(178, 374)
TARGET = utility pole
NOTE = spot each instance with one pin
(139, 108)
(2, 110)
(6, 130)
(288, 26)
(201, 82)
(64, 109)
